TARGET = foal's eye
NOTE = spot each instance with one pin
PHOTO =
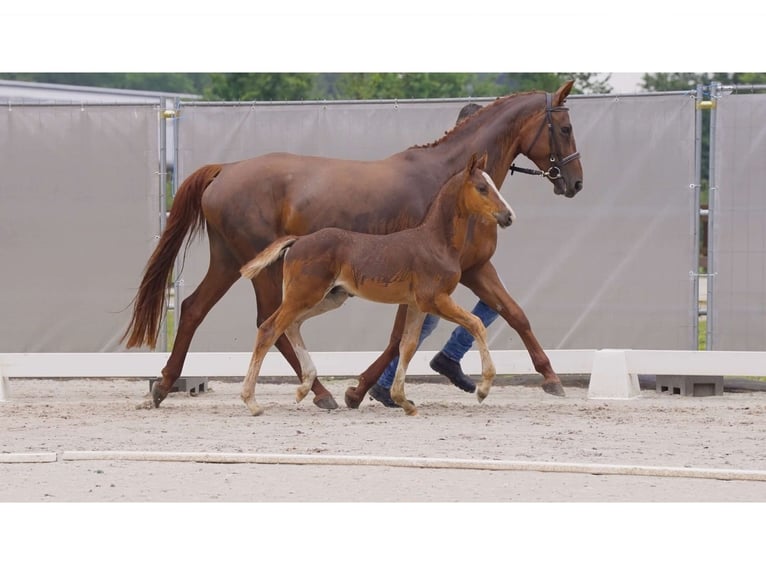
(566, 130)
(482, 189)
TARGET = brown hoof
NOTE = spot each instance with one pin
(326, 402)
(554, 389)
(351, 399)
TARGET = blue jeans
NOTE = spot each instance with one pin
(459, 343)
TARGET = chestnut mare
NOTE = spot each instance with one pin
(246, 205)
(418, 267)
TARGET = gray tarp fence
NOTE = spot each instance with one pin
(609, 268)
(78, 219)
(79, 216)
(738, 238)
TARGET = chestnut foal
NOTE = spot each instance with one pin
(418, 267)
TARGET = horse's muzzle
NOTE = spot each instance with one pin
(504, 218)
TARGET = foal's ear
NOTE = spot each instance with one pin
(472, 161)
(561, 94)
(482, 163)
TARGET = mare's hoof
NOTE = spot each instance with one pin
(554, 389)
(157, 396)
(352, 401)
(326, 402)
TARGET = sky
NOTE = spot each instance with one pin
(395, 36)
(626, 82)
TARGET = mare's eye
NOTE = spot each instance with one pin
(566, 130)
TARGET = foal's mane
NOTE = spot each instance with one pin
(474, 118)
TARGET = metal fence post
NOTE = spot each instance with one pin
(177, 281)
(163, 338)
(696, 187)
(712, 205)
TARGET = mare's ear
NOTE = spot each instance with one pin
(561, 94)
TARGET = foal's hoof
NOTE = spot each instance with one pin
(554, 389)
(255, 409)
(326, 402)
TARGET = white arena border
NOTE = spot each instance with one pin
(613, 372)
(408, 462)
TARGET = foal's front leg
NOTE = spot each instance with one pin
(409, 343)
(446, 307)
(355, 395)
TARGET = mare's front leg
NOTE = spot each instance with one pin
(268, 289)
(407, 347)
(355, 395)
(484, 281)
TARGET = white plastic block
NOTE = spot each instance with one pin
(610, 378)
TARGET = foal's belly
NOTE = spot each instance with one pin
(379, 290)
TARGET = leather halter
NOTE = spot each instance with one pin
(554, 172)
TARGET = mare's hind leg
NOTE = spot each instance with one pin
(409, 343)
(222, 272)
(486, 284)
(446, 307)
(268, 288)
(355, 395)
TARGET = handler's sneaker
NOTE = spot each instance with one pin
(383, 395)
(443, 365)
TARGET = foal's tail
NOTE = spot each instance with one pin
(185, 217)
(268, 256)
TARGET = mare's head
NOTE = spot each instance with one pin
(480, 195)
(547, 139)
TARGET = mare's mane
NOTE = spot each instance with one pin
(473, 118)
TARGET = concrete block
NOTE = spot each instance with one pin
(193, 385)
(690, 385)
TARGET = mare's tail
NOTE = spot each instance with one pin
(185, 217)
(268, 256)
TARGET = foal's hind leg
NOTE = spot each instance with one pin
(446, 307)
(268, 288)
(269, 331)
(308, 369)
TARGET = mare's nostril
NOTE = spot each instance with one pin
(578, 185)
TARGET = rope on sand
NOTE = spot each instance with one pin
(28, 457)
(430, 463)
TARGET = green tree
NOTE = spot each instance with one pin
(262, 87)
(665, 82)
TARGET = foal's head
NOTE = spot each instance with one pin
(480, 195)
